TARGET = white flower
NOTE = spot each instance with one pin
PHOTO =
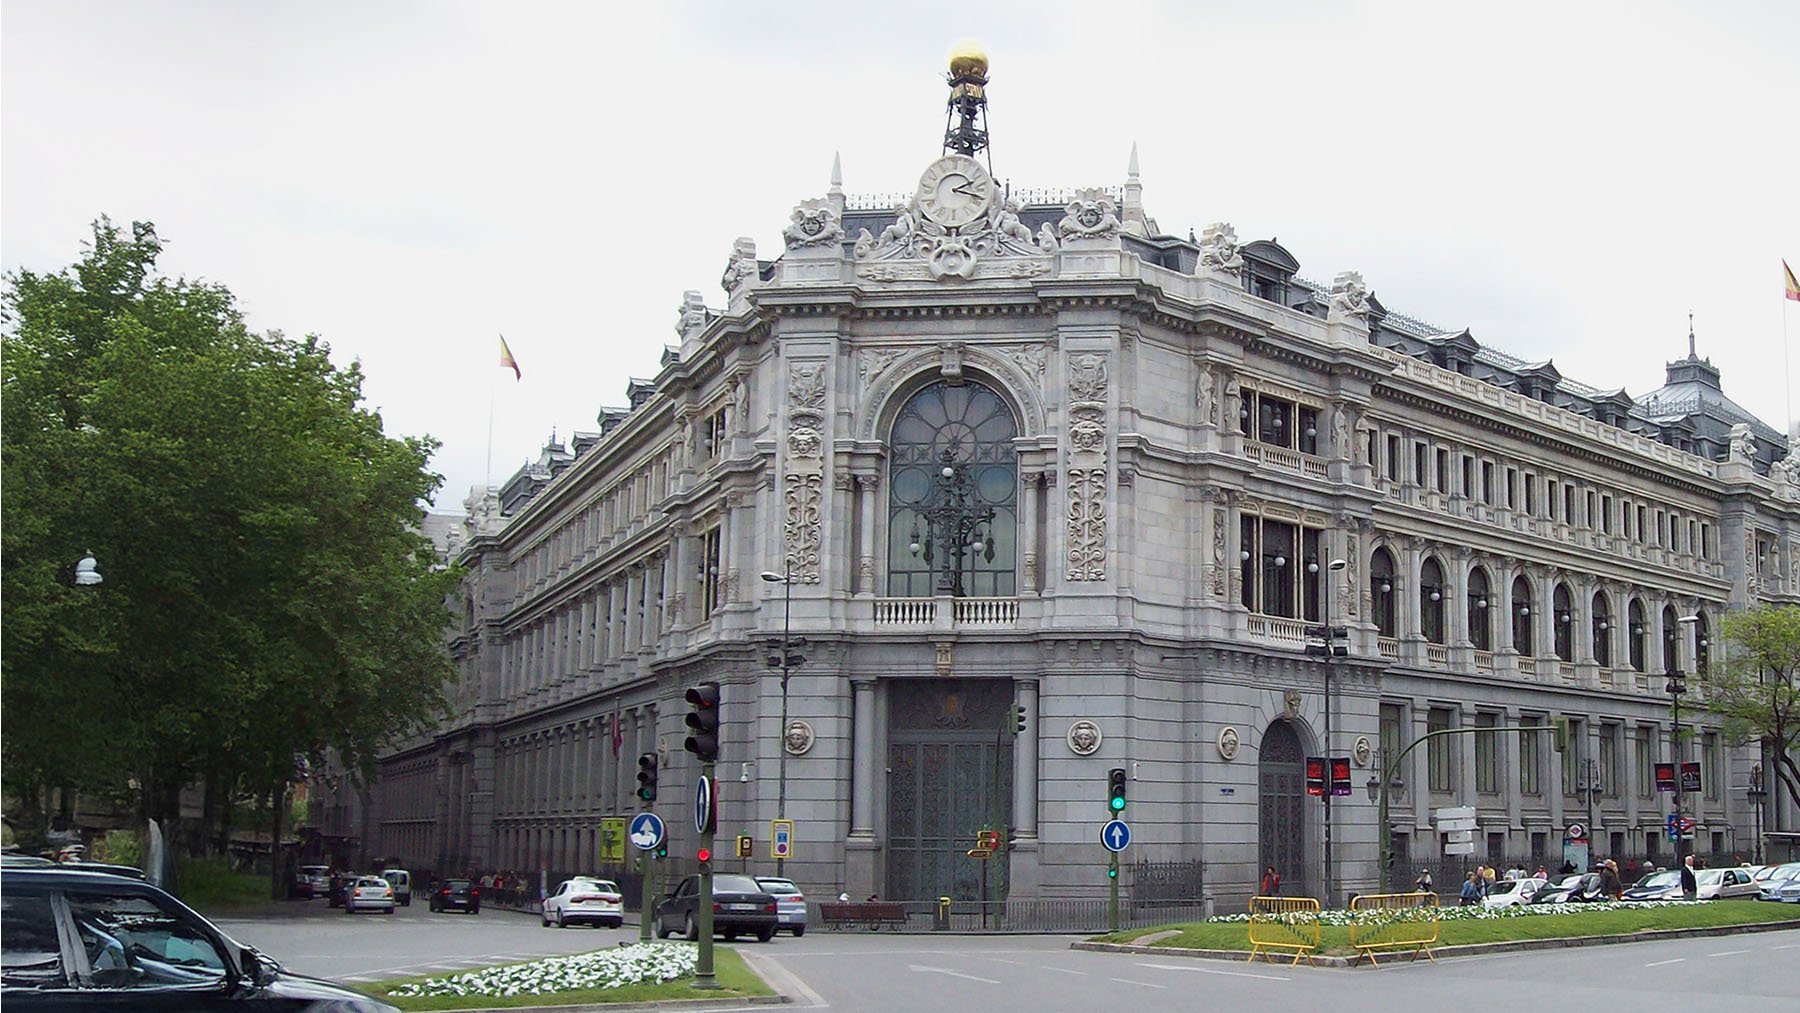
(639, 963)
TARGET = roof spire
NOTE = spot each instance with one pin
(965, 126)
(1691, 334)
(837, 173)
(1131, 169)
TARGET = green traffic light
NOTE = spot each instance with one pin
(1117, 803)
(1112, 874)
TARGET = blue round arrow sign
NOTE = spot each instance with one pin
(646, 831)
(704, 803)
(1116, 835)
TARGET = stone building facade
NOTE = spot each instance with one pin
(1024, 454)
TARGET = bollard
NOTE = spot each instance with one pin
(942, 922)
(1206, 905)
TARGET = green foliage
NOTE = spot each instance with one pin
(267, 591)
(210, 884)
(1757, 688)
(120, 847)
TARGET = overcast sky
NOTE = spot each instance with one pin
(410, 179)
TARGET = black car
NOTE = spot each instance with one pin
(456, 895)
(740, 907)
(1573, 889)
(79, 939)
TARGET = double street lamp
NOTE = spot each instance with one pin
(1675, 688)
(787, 659)
(955, 528)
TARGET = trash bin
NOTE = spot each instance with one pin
(941, 921)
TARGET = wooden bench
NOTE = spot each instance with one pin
(873, 914)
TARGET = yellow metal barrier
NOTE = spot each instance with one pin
(1284, 923)
(1394, 921)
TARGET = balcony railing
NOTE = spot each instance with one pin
(1437, 655)
(963, 611)
(1527, 666)
(905, 611)
(1277, 628)
(1390, 647)
(1288, 460)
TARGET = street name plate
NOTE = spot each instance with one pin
(1455, 812)
(1448, 825)
(1459, 836)
(1460, 849)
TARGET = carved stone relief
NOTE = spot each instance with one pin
(803, 482)
(1091, 215)
(1087, 387)
(1220, 565)
(741, 267)
(1219, 249)
(916, 248)
(813, 223)
(1349, 298)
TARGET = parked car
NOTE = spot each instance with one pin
(338, 885)
(456, 895)
(1665, 885)
(312, 881)
(790, 903)
(401, 881)
(1579, 888)
(1724, 884)
(369, 893)
(583, 899)
(739, 907)
(1512, 892)
(75, 937)
(1770, 887)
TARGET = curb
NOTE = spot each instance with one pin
(1469, 950)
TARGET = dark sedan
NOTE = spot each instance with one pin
(456, 895)
(1576, 889)
(77, 939)
(740, 907)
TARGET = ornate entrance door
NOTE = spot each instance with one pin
(949, 775)
(1281, 786)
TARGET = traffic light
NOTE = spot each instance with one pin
(792, 657)
(1115, 790)
(703, 722)
(1559, 732)
(705, 857)
(647, 777)
(662, 850)
(743, 846)
(1019, 720)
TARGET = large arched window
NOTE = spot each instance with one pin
(1564, 621)
(1521, 616)
(1637, 632)
(953, 494)
(1431, 600)
(1670, 630)
(1480, 633)
(1603, 633)
(1381, 583)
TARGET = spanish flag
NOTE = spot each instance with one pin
(1793, 287)
(507, 360)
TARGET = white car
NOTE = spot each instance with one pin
(1723, 884)
(369, 893)
(595, 901)
(1512, 892)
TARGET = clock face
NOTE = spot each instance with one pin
(955, 190)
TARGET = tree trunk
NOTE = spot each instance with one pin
(275, 880)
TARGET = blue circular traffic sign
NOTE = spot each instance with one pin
(705, 805)
(646, 831)
(1116, 835)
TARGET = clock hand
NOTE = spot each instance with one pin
(963, 188)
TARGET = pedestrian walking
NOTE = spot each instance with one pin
(1690, 886)
(1271, 882)
(1609, 880)
(1423, 883)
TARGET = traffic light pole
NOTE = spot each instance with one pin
(1112, 893)
(703, 969)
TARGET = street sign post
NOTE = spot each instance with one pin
(781, 839)
(647, 831)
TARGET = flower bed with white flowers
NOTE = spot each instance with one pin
(637, 964)
(1339, 916)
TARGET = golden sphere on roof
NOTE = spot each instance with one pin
(968, 59)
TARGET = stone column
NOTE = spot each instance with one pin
(864, 762)
(1028, 523)
(1465, 767)
(869, 488)
(646, 610)
(671, 610)
(1025, 763)
(1506, 761)
(1420, 776)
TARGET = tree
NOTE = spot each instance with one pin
(1757, 689)
(268, 595)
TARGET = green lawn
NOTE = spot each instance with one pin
(1464, 931)
(734, 977)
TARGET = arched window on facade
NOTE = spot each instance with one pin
(1702, 651)
(1563, 622)
(1381, 588)
(953, 494)
(1638, 633)
(1603, 633)
(1671, 628)
(1431, 600)
(1521, 616)
(1480, 633)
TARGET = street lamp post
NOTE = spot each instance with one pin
(1675, 688)
(1378, 788)
(786, 580)
(952, 520)
(1756, 795)
(1334, 643)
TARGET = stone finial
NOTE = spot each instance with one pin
(741, 267)
(693, 314)
(837, 175)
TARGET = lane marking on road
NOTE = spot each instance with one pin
(1210, 970)
(1660, 963)
(1727, 953)
(1790, 946)
(1128, 981)
(953, 974)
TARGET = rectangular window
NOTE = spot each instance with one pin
(1393, 458)
(1421, 464)
(1643, 514)
(1438, 749)
(1644, 761)
(1568, 504)
(710, 584)
(1371, 444)
(1531, 744)
(1588, 517)
(1606, 514)
(1391, 717)
(1512, 488)
(1706, 541)
(1468, 476)
(1307, 432)
(1443, 471)
(1550, 498)
(1487, 482)
(1487, 770)
(1609, 761)
(1713, 772)
(1571, 768)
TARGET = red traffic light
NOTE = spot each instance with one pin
(704, 855)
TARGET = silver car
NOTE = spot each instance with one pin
(1723, 884)
(790, 903)
(369, 893)
(1769, 887)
